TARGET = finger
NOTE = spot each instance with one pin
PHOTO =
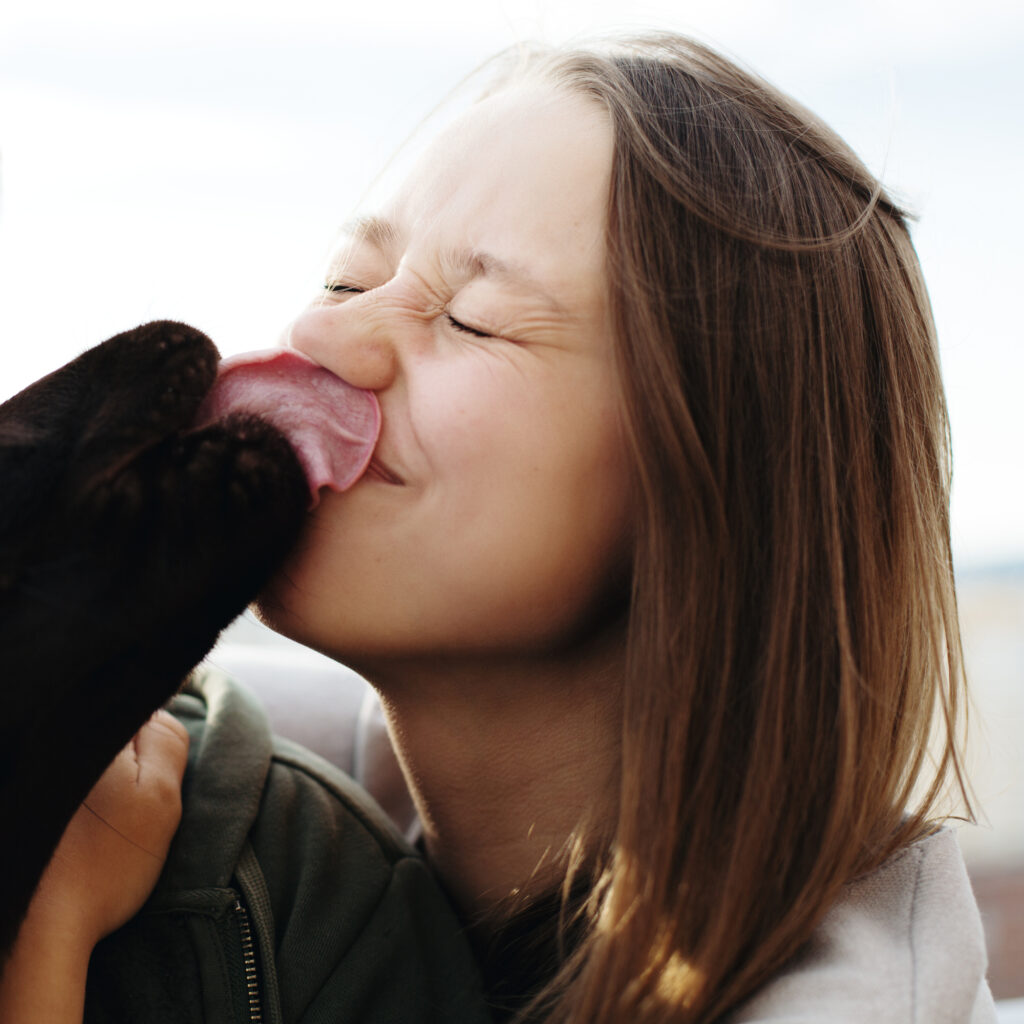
(121, 772)
(161, 751)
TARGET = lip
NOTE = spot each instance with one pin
(381, 471)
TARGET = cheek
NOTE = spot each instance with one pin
(459, 411)
(516, 535)
(544, 537)
(586, 530)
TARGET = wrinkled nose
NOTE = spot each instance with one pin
(356, 347)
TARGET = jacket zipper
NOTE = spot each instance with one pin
(252, 983)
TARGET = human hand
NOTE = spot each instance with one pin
(112, 852)
(128, 540)
(103, 869)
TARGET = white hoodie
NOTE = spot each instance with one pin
(903, 945)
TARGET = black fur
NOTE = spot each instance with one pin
(128, 541)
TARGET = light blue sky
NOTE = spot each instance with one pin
(192, 163)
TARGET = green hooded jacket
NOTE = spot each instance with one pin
(288, 897)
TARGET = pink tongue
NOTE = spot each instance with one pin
(332, 425)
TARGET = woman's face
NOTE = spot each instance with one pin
(494, 519)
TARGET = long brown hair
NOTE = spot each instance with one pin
(793, 631)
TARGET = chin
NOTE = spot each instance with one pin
(276, 608)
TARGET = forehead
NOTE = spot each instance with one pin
(523, 174)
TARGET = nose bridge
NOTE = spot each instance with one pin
(354, 339)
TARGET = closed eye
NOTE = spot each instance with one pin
(466, 329)
(351, 289)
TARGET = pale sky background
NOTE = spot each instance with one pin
(191, 161)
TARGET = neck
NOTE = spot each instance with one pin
(509, 764)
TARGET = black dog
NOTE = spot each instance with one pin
(128, 540)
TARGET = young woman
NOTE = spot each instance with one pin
(651, 569)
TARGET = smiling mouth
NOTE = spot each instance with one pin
(381, 472)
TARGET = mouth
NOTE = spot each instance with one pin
(379, 471)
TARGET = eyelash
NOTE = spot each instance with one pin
(465, 328)
(349, 289)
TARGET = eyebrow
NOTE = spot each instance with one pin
(377, 231)
(383, 235)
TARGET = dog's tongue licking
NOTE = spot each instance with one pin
(332, 425)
